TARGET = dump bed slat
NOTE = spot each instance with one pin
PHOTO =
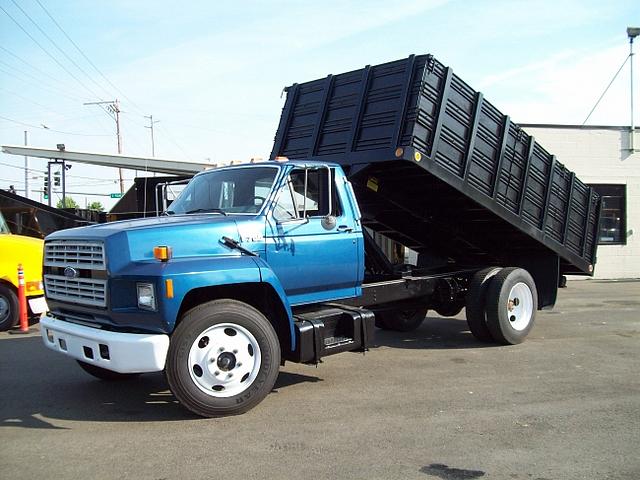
(475, 187)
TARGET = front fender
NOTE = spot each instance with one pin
(184, 274)
(187, 274)
(268, 276)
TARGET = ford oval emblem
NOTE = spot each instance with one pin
(70, 272)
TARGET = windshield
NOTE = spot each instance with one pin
(238, 190)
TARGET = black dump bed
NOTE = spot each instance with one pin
(439, 169)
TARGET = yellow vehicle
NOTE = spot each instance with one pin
(16, 249)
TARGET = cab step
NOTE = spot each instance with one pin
(331, 329)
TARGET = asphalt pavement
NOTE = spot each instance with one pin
(431, 404)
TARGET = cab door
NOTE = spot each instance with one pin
(311, 239)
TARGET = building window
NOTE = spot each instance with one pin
(613, 222)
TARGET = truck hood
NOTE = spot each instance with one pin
(188, 236)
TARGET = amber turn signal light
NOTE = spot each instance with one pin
(162, 253)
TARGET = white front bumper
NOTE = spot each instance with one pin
(127, 352)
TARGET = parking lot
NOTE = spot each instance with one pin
(433, 403)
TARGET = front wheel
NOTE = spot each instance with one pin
(223, 358)
(8, 308)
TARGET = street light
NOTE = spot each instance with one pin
(632, 32)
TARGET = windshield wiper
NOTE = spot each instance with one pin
(231, 243)
(169, 212)
(206, 210)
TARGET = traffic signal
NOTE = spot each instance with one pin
(56, 179)
(46, 187)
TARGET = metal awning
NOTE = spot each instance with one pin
(150, 164)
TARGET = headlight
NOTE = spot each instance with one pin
(146, 296)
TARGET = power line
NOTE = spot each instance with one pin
(134, 132)
(86, 57)
(20, 59)
(22, 168)
(174, 142)
(13, 68)
(58, 47)
(131, 102)
(28, 100)
(607, 89)
(48, 53)
(98, 181)
(76, 99)
(44, 127)
(152, 122)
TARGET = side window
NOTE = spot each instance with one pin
(316, 197)
(307, 191)
(308, 199)
(613, 216)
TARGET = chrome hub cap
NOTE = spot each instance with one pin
(224, 360)
(520, 306)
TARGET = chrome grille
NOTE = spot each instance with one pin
(86, 291)
(74, 253)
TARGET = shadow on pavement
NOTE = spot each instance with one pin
(435, 333)
(38, 384)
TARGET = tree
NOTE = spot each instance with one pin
(68, 203)
(96, 206)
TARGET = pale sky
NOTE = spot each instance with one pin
(212, 73)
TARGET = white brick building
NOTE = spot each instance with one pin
(600, 156)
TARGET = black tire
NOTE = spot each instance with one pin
(401, 319)
(103, 373)
(9, 309)
(475, 304)
(201, 332)
(449, 309)
(512, 302)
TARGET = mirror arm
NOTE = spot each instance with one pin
(304, 198)
(329, 192)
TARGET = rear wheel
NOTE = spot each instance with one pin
(512, 301)
(476, 301)
(223, 358)
(103, 373)
(8, 308)
(401, 320)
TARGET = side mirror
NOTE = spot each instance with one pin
(328, 222)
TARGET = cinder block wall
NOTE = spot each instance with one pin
(602, 155)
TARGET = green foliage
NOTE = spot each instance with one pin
(96, 206)
(68, 203)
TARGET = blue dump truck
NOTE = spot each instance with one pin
(258, 264)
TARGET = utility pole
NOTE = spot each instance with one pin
(150, 127)
(632, 32)
(113, 109)
(48, 184)
(26, 169)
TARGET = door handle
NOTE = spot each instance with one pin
(345, 228)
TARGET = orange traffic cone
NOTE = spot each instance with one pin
(22, 302)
